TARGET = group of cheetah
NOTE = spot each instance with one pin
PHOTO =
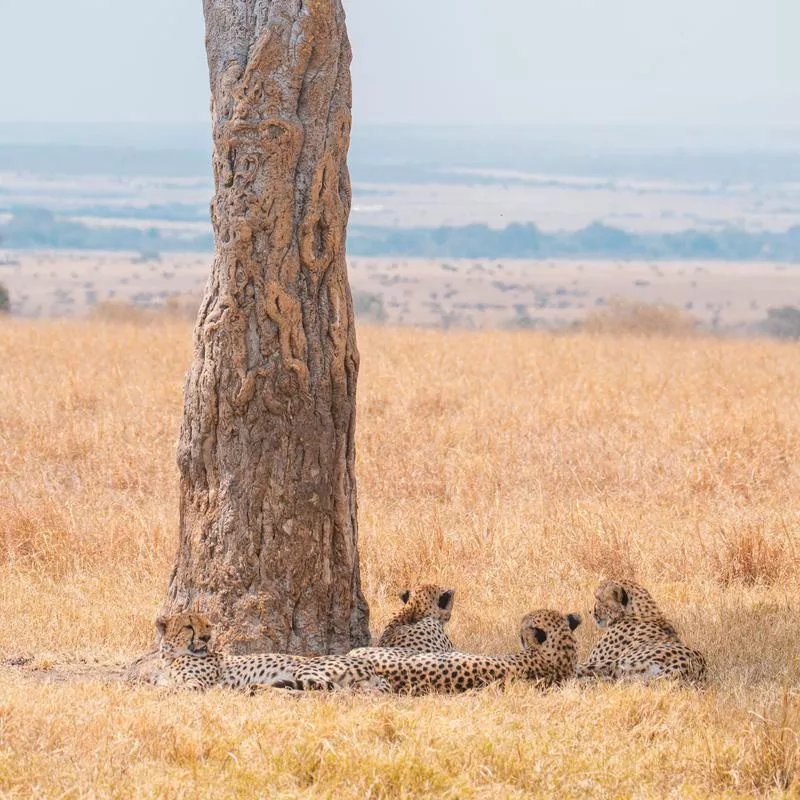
(414, 654)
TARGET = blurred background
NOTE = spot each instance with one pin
(542, 165)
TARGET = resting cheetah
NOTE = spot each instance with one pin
(549, 656)
(639, 641)
(189, 664)
(419, 625)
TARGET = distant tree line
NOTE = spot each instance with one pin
(38, 228)
(526, 240)
(31, 228)
(167, 212)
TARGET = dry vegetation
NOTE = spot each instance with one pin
(626, 317)
(519, 468)
(728, 297)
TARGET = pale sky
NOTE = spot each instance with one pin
(457, 62)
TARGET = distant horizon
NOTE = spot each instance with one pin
(643, 136)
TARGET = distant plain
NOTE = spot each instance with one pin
(464, 293)
(751, 194)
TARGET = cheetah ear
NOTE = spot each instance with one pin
(623, 596)
(573, 620)
(405, 595)
(161, 626)
(540, 635)
(446, 599)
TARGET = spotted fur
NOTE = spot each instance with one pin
(419, 625)
(639, 641)
(549, 656)
(188, 663)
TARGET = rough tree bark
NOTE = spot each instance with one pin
(268, 534)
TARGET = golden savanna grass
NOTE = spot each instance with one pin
(518, 468)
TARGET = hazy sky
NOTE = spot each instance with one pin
(555, 62)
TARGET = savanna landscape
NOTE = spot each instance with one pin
(727, 297)
(469, 247)
(568, 247)
(518, 467)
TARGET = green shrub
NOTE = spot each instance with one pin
(369, 306)
(782, 322)
(5, 299)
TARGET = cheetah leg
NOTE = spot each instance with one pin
(285, 687)
(313, 680)
(366, 684)
(652, 671)
(596, 669)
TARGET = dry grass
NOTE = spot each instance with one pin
(520, 468)
(173, 309)
(631, 317)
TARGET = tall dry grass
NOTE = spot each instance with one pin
(634, 317)
(519, 468)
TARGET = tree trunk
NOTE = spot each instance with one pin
(268, 532)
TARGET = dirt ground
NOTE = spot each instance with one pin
(446, 293)
(41, 669)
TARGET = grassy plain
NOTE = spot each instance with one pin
(459, 293)
(519, 468)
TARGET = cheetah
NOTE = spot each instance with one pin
(419, 625)
(188, 663)
(549, 656)
(639, 642)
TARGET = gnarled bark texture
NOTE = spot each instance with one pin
(268, 535)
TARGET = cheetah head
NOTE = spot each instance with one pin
(183, 633)
(549, 632)
(616, 600)
(427, 600)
